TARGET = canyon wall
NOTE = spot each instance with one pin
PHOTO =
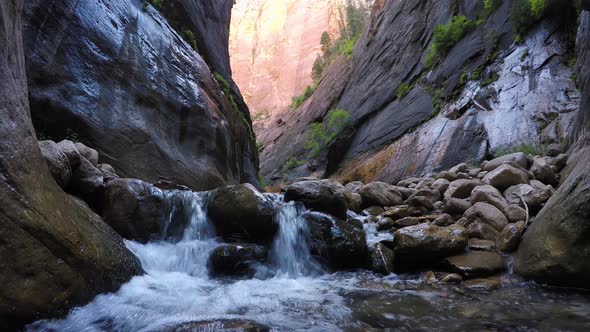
(273, 45)
(118, 77)
(55, 253)
(485, 96)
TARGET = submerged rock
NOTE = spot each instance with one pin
(238, 260)
(482, 284)
(228, 325)
(241, 213)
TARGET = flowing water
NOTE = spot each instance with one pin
(296, 295)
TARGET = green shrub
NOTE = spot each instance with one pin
(317, 70)
(524, 148)
(493, 78)
(337, 120)
(322, 134)
(293, 163)
(525, 13)
(189, 37)
(156, 3)
(446, 36)
(489, 6)
(299, 100)
(402, 90)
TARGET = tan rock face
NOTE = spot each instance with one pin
(273, 45)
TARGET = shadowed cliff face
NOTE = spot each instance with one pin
(273, 46)
(121, 79)
(55, 253)
(486, 94)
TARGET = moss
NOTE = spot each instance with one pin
(524, 148)
(493, 78)
(524, 55)
(446, 36)
(299, 100)
(402, 90)
(293, 163)
(226, 88)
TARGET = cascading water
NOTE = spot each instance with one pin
(290, 253)
(177, 289)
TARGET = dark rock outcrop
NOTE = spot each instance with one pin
(240, 213)
(236, 260)
(556, 247)
(321, 195)
(128, 85)
(54, 252)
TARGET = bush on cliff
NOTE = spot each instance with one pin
(446, 36)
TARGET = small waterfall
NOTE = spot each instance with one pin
(290, 253)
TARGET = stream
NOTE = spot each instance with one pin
(293, 293)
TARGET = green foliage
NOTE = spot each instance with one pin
(538, 8)
(524, 55)
(157, 3)
(326, 43)
(402, 90)
(293, 163)
(525, 13)
(489, 6)
(317, 70)
(446, 36)
(493, 78)
(189, 37)
(299, 100)
(226, 88)
(322, 134)
(524, 148)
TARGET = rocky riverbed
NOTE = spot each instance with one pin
(433, 253)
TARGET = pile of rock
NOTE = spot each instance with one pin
(458, 222)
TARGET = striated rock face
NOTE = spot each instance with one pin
(273, 45)
(55, 253)
(556, 247)
(117, 76)
(443, 120)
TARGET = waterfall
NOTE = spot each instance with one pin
(290, 253)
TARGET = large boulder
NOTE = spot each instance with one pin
(480, 230)
(241, 213)
(488, 214)
(518, 158)
(505, 176)
(68, 148)
(543, 172)
(533, 198)
(461, 188)
(381, 194)
(88, 183)
(475, 264)
(339, 244)
(55, 253)
(135, 209)
(57, 161)
(321, 195)
(490, 195)
(555, 249)
(509, 238)
(418, 245)
(89, 153)
(382, 259)
(236, 260)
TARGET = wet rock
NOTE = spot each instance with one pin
(382, 259)
(441, 185)
(406, 222)
(482, 284)
(449, 176)
(464, 222)
(135, 209)
(320, 195)
(418, 245)
(69, 149)
(461, 188)
(558, 162)
(515, 213)
(451, 278)
(481, 245)
(443, 220)
(429, 277)
(534, 199)
(226, 325)
(455, 206)
(169, 185)
(355, 223)
(385, 224)
(406, 192)
(488, 214)
(490, 195)
(242, 213)
(354, 201)
(481, 230)
(505, 176)
(518, 158)
(543, 172)
(461, 168)
(397, 212)
(90, 154)
(373, 211)
(339, 244)
(354, 187)
(236, 260)
(88, 182)
(421, 202)
(509, 238)
(475, 264)
(380, 193)
(57, 161)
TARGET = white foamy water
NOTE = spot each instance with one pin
(177, 288)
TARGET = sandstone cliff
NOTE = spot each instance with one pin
(486, 95)
(273, 46)
(119, 78)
